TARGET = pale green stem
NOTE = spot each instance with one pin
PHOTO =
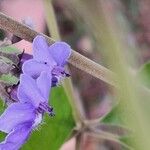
(54, 31)
(79, 141)
(51, 20)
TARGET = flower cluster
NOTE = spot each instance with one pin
(40, 73)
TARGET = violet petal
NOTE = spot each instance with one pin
(60, 51)
(25, 57)
(15, 114)
(40, 50)
(34, 68)
(17, 137)
(44, 84)
(28, 91)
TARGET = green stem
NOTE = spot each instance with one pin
(53, 29)
(51, 20)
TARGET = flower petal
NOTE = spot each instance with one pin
(15, 114)
(34, 68)
(40, 50)
(60, 51)
(28, 91)
(17, 137)
(44, 84)
(24, 57)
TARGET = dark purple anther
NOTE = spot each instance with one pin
(44, 107)
(57, 70)
(60, 71)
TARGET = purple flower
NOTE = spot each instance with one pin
(48, 58)
(20, 118)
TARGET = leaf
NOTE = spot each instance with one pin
(2, 135)
(8, 72)
(114, 116)
(9, 79)
(144, 74)
(10, 50)
(55, 130)
(9, 60)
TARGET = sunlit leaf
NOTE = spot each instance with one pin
(114, 116)
(115, 119)
(9, 50)
(144, 74)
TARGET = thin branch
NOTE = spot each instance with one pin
(109, 137)
(79, 61)
(79, 141)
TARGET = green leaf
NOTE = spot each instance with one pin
(144, 74)
(114, 116)
(55, 130)
(10, 50)
(9, 79)
(2, 107)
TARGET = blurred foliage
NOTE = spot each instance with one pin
(114, 116)
(144, 74)
(9, 79)
(132, 6)
(10, 49)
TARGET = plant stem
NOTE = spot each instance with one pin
(54, 31)
(79, 141)
(51, 20)
(76, 59)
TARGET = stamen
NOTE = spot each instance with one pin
(57, 70)
(44, 107)
(67, 74)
